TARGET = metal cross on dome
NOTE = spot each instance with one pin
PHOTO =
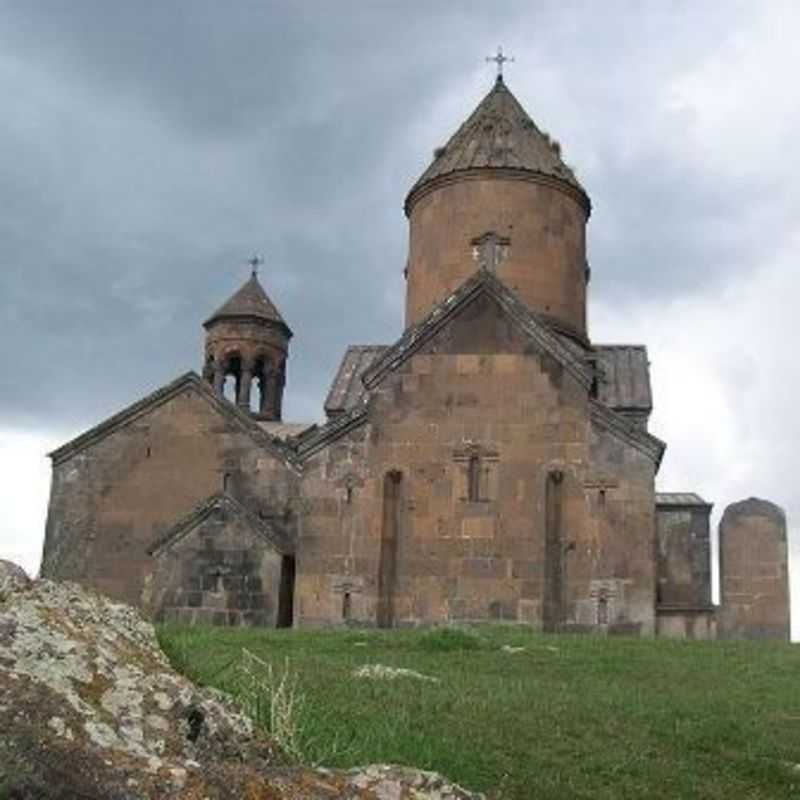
(500, 59)
(255, 261)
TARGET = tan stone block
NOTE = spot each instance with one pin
(421, 364)
(477, 527)
(410, 384)
(505, 364)
(468, 364)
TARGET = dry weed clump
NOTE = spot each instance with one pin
(272, 698)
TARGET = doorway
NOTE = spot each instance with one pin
(286, 593)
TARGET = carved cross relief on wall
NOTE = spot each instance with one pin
(477, 464)
(490, 250)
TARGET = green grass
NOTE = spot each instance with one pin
(568, 717)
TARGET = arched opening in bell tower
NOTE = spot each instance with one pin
(232, 375)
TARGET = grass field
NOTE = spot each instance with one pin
(567, 717)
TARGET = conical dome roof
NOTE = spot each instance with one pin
(250, 302)
(498, 134)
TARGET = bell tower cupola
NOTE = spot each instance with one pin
(498, 196)
(247, 345)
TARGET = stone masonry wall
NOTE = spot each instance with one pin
(754, 577)
(112, 500)
(684, 563)
(546, 259)
(219, 573)
(479, 390)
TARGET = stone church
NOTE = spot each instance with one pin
(491, 464)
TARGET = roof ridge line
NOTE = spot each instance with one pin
(202, 510)
(330, 431)
(611, 420)
(433, 321)
(159, 396)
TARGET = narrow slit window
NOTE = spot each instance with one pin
(474, 479)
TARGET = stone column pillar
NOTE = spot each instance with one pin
(219, 380)
(279, 392)
(245, 382)
(263, 405)
(268, 392)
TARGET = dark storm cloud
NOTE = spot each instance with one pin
(159, 144)
(148, 147)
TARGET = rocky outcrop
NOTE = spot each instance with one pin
(90, 708)
(9, 570)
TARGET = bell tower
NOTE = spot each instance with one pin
(498, 196)
(247, 345)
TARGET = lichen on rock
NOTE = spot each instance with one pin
(90, 707)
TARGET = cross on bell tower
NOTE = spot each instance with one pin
(255, 261)
(500, 59)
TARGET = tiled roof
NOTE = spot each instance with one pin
(250, 301)
(347, 389)
(624, 382)
(499, 134)
(679, 499)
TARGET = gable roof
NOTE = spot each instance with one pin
(189, 380)
(499, 134)
(482, 281)
(220, 503)
(680, 500)
(624, 383)
(347, 389)
(250, 302)
(315, 439)
(364, 366)
(621, 427)
(285, 430)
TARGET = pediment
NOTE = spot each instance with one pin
(482, 286)
(219, 509)
(189, 382)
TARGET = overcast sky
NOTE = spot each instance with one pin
(147, 149)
